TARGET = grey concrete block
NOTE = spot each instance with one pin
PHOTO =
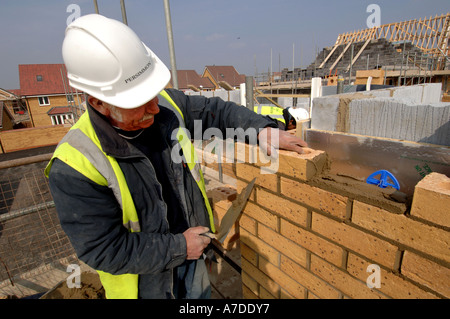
(324, 113)
(409, 94)
(431, 93)
(391, 118)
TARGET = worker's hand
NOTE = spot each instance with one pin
(270, 139)
(195, 242)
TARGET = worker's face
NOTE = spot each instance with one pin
(291, 125)
(128, 119)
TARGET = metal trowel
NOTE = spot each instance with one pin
(232, 214)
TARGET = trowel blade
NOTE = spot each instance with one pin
(233, 213)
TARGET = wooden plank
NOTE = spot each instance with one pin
(357, 55)
(282, 95)
(340, 56)
(21, 139)
(329, 56)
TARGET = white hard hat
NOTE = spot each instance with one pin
(106, 59)
(299, 113)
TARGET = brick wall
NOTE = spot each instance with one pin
(305, 234)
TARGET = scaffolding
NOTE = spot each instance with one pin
(32, 242)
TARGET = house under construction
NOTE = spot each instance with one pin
(364, 215)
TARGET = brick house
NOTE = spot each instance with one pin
(48, 97)
(223, 76)
(191, 80)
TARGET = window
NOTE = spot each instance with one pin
(39, 78)
(44, 100)
(70, 98)
(60, 118)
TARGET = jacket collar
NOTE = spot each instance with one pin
(116, 146)
(112, 144)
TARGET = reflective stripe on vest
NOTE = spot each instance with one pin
(274, 112)
(81, 150)
(190, 156)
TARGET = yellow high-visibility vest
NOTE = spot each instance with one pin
(81, 150)
(274, 112)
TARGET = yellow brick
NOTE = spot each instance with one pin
(283, 245)
(283, 207)
(247, 293)
(317, 198)
(240, 185)
(301, 166)
(427, 273)
(261, 278)
(308, 280)
(342, 280)
(249, 254)
(265, 294)
(282, 279)
(250, 283)
(261, 215)
(247, 223)
(311, 242)
(285, 295)
(431, 240)
(354, 239)
(431, 199)
(260, 247)
(248, 172)
(391, 284)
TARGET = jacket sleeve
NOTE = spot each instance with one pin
(217, 113)
(92, 219)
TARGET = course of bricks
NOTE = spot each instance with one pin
(300, 240)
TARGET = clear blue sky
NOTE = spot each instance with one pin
(242, 33)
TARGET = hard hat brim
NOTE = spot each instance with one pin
(299, 113)
(141, 92)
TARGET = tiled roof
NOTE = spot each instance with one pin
(191, 77)
(225, 73)
(58, 110)
(41, 79)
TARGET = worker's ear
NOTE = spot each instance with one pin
(99, 105)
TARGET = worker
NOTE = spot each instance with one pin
(131, 212)
(286, 118)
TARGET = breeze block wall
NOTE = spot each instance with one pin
(307, 234)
